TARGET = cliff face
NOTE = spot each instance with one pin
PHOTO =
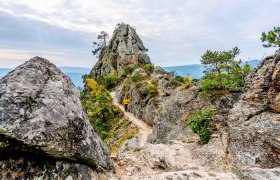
(254, 136)
(125, 47)
(43, 127)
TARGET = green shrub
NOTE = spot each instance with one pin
(152, 93)
(200, 124)
(152, 90)
(195, 80)
(187, 82)
(179, 79)
(154, 82)
(98, 106)
(110, 80)
(136, 78)
(149, 68)
(127, 70)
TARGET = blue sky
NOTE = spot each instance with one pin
(176, 32)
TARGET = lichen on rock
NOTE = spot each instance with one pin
(41, 116)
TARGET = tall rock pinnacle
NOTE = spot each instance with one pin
(125, 48)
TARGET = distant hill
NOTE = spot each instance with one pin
(74, 73)
(253, 63)
(196, 70)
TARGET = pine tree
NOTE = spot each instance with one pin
(272, 38)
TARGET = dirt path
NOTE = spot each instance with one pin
(144, 129)
(161, 161)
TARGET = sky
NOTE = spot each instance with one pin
(176, 32)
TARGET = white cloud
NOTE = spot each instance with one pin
(175, 31)
(14, 57)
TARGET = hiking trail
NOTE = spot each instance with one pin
(144, 129)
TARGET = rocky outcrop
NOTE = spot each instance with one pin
(44, 132)
(163, 161)
(254, 133)
(142, 105)
(125, 48)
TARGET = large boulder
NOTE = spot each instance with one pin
(43, 127)
(254, 122)
(125, 48)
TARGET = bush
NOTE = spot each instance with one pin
(127, 70)
(195, 80)
(200, 124)
(110, 80)
(152, 90)
(154, 82)
(136, 78)
(149, 68)
(98, 106)
(179, 79)
(187, 82)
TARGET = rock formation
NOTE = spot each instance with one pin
(246, 126)
(43, 130)
(125, 47)
(254, 132)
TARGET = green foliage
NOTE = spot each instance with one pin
(110, 80)
(149, 68)
(187, 83)
(195, 80)
(200, 124)
(127, 70)
(152, 90)
(98, 106)
(154, 82)
(223, 72)
(179, 78)
(136, 78)
(214, 60)
(272, 38)
(100, 43)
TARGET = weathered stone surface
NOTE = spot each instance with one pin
(159, 70)
(125, 47)
(138, 71)
(255, 120)
(167, 161)
(41, 115)
(259, 174)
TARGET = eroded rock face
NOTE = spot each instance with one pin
(41, 116)
(254, 135)
(125, 48)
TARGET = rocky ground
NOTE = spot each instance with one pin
(138, 159)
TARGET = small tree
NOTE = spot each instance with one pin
(223, 72)
(272, 38)
(100, 43)
(214, 60)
